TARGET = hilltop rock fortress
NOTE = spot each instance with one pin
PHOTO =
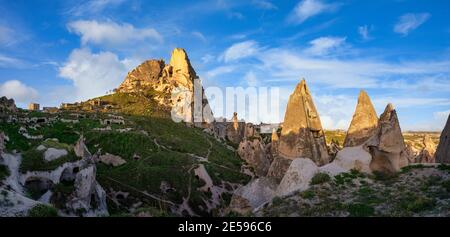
(364, 122)
(302, 135)
(177, 87)
(443, 150)
(387, 146)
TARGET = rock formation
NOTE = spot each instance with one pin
(2, 142)
(443, 149)
(387, 146)
(254, 194)
(297, 177)
(426, 155)
(364, 122)
(235, 131)
(301, 135)
(7, 105)
(254, 153)
(175, 86)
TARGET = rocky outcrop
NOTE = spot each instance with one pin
(80, 148)
(235, 131)
(254, 153)
(443, 149)
(113, 160)
(297, 177)
(302, 134)
(53, 154)
(2, 142)
(89, 198)
(353, 158)
(251, 196)
(426, 155)
(174, 86)
(7, 105)
(387, 146)
(364, 122)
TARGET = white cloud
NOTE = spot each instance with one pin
(92, 6)
(364, 32)
(111, 33)
(240, 50)
(199, 36)
(7, 61)
(207, 58)
(7, 36)
(93, 74)
(219, 71)
(324, 45)
(409, 22)
(17, 90)
(264, 4)
(309, 8)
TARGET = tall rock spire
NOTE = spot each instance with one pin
(364, 122)
(302, 134)
(443, 150)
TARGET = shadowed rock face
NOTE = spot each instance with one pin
(302, 134)
(387, 146)
(364, 122)
(443, 149)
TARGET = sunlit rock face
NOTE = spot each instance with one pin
(387, 146)
(174, 86)
(364, 122)
(443, 149)
(302, 134)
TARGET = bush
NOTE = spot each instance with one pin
(4, 172)
(308, 194)
(360, 210)
(277, 201)
(320, 178)
(42, 210)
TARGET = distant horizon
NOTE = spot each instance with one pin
(67, 51)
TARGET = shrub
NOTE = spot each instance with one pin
(308, 194)
(320, 178)
(42, 210)
(360, 209)
(4, 172)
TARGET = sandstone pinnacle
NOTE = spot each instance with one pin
(302, 134)
(364, 122)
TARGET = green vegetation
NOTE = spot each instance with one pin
(41, 210)
(320, 178)
(347, 178)
(16, 140)
(360, 210)
(33, 160)
(336, 136)
(4, 172)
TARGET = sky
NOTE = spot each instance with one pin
(398, 51)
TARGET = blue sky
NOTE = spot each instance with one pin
(398, 50)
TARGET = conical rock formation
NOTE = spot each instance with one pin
(443, 149)
(302, 135)
(387, 146)
(364, 122)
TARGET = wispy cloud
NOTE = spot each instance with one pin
(219, 71)
(8, 62)
(324, 45)
(111, 33)
(409, 22)
(91, 6)
(264, 4)
(308, 8)
(240, 50)
(364, 32)
(199, 35)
